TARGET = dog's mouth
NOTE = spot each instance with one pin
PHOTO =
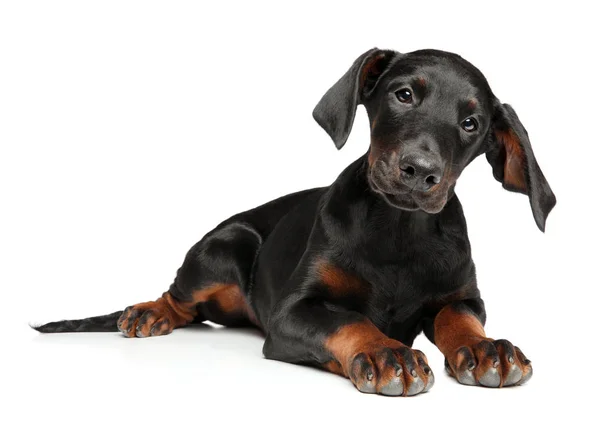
(400, 196)
(410, 202)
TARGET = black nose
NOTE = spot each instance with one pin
(420, 172)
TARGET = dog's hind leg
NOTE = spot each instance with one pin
(216, 276)
(212, 284)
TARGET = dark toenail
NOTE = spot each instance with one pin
(527, 362)
(427, 370)
(471, 366)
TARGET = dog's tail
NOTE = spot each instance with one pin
(93, 324)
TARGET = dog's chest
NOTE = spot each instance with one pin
(417, 274)
(425, 263)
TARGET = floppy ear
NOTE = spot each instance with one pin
(336, 110)
(514, 164)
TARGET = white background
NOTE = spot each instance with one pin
(130, 129)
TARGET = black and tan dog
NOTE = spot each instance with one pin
(344, 277)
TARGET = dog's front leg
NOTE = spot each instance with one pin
(471, 357)
(346, 343)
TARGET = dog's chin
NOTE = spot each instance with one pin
(409, 202)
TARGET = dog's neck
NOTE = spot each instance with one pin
(353, 201)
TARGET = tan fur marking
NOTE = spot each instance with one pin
(166, 307)
(228, 297)
(338, 281)
(453, 330)
(370, 66)
(334, 367)
(372, 155)
(352, 339)
(514, 165)
(374, 122)
(180, 309)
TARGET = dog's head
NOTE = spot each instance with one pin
(431, 114)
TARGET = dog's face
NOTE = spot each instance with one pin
(431, 114)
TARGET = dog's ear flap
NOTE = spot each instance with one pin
(336, 110)
(514, 164)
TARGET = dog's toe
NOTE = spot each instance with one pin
(492, 364)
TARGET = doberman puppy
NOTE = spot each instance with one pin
(345, 277)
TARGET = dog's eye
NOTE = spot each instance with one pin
(404, 95)
(469, 124)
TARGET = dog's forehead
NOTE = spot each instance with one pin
(444, 73)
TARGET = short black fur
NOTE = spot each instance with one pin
(391, 221)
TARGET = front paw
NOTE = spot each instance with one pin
(396, 370)
(491, 363)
